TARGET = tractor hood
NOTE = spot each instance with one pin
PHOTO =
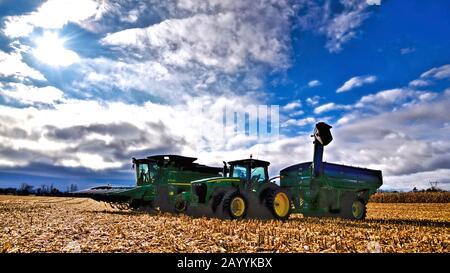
(206, 179)
(216, 179)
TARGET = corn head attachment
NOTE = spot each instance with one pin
(159, 181)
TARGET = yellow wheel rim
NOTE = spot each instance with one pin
(357, 209)
(281, 204)
(237, 206)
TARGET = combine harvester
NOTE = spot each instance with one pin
(314, 188)
(156, 176)
(242, 188)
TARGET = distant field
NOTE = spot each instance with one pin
(411, 197)
(58, 224)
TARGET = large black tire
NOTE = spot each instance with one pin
(162, 200)
(278, 203)
(180, 205)
(234, 205)
(217, 199)
(353, 208)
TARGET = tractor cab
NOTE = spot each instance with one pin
(249, 170)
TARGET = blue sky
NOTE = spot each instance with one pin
(86, 85)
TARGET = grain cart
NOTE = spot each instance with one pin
(159, 180)
(320, 188)
(314, 188)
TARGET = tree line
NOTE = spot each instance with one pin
(43, 190)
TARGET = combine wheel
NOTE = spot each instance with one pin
(277, 201)
(180, 204)
(234, 205)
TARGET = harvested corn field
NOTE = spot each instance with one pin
(56, 224)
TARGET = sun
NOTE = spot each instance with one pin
(51, 51)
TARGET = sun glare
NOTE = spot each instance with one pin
(50, 50)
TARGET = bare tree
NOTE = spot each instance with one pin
(25, 189)
(72, 188)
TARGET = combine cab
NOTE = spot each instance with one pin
(159, 181)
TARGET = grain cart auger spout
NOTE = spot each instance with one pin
(159, 180)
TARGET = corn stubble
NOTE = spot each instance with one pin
(43, 224)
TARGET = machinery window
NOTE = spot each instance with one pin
(240, 171)
(143, 173)
(153, 172)
(258, 174)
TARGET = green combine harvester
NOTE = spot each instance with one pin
(159, 181)
(314, 188)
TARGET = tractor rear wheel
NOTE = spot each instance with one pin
(235, 205)
(279, 204)
(217, 199)
(353, 208)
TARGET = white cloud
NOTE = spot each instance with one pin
(52, 14)
(292, 105)
(198, 48)
(355, 82)
(329, 107)
(442, 72)
(373, 2)
(419, 83)
(296, 113)
(13, 65)
(93, 161)
(17, 27)
(313, 100)
(394, 98)
(339, 27)
(28, 94)
(314, 83)
(223, 40)
(325, 107)
(383, 97)
(429, 77)
(299, 122)
(407, 50)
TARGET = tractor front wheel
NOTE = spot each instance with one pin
(235, 205)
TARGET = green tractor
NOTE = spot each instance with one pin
(244, 190)
(314, 188)
(160, 179)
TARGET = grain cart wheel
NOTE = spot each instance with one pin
(277, 201)
(353, 208)
(234, 205)
(358, 210)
